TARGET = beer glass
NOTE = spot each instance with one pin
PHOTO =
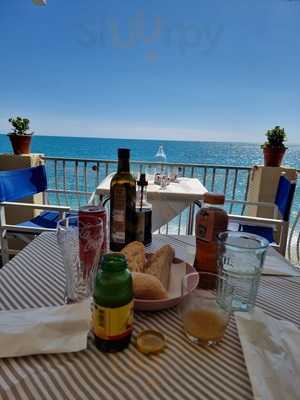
(81, 245)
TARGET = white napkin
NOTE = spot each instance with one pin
(275, 264)
(272, 353)
(44, 330)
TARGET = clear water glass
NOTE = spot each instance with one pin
(173, 173)
(71, 236)
(163, 181)
(240, 261)
(205, 314)
(150, 172)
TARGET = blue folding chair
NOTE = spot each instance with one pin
(15, 185)
(266, 227)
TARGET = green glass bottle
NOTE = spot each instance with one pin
(113, 304)
(122, 204)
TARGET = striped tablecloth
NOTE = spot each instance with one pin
(35, 277)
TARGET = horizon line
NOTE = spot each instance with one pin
(152, 139)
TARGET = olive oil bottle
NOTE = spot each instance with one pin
(122, 204)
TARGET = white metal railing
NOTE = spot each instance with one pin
(71, 182)
(293, 245)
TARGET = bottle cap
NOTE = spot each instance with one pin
(150, 342)
(214, 198)
(142, 181)
(113, 262)
(123, 153)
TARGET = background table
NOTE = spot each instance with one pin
(35, 277)
(167, 202)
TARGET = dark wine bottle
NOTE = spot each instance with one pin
(122, 204)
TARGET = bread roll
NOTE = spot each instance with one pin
(148, 287)
(159, 264)
(135, 254)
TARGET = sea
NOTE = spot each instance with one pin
(220, 153)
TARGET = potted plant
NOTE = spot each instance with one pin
(274, 147)
(21, 136)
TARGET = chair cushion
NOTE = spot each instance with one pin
(265, 232)
(47, 219)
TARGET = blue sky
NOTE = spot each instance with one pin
(173, 69)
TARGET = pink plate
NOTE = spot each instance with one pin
(157, 305)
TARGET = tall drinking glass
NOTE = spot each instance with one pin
(81, 248)
(240, 261)
(205, 314)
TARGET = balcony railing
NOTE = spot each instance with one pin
(72, 181)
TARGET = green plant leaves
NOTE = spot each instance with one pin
(20, 125)
(276, 137)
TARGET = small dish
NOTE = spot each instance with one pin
(179, 269)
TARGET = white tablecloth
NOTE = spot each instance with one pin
(167, 202)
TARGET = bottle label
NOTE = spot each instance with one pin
(209, 226)
(140, 226)
(112, 323)
(119, 214)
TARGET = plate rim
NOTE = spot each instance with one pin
(173, 299)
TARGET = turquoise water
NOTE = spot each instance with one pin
(177, 151)
(221, 153)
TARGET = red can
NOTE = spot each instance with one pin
(92, 236)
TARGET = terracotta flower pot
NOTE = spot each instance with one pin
(21, 144)
(273, 156)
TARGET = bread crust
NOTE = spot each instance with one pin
(135, 254)
(159, 264)
(148, 287)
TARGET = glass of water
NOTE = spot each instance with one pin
(240, 262)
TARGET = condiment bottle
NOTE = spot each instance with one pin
(122, 204)
(113, 304)
(211, 220)
(143, 213)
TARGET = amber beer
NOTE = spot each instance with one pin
(205, 325)
(113, 304)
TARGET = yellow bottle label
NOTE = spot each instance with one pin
(112, 323)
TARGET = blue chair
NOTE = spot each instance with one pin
(267, 227)
(15, 185)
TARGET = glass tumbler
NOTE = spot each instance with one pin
(173, 173)
(205, 310)
(150, 171)
(81, 249)
(240, 262)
